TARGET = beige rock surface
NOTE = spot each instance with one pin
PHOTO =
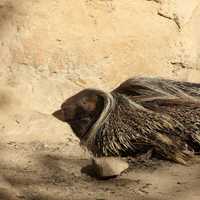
(51, 49)
(107, 167)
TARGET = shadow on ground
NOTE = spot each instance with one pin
(52, 176)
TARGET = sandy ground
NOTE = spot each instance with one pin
(37, 172)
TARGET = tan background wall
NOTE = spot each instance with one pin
(50, 49)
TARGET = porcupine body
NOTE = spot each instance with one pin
(144, 114)
(131, 130)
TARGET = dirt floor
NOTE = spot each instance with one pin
(38, 172)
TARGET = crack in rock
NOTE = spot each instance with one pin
(157, 1)
(179, 64)
(175, 18)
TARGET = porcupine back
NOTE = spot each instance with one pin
(186, 113)
(139, 88)
(133, 129)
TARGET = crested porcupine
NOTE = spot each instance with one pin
(141, 114)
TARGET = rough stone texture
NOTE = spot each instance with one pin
(49, 50)
(52, 49)
(107, 167)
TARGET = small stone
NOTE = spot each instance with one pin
(108, 167)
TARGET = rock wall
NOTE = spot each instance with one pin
(51, 49)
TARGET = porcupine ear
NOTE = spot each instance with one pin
(93, 101)
(97, 100)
